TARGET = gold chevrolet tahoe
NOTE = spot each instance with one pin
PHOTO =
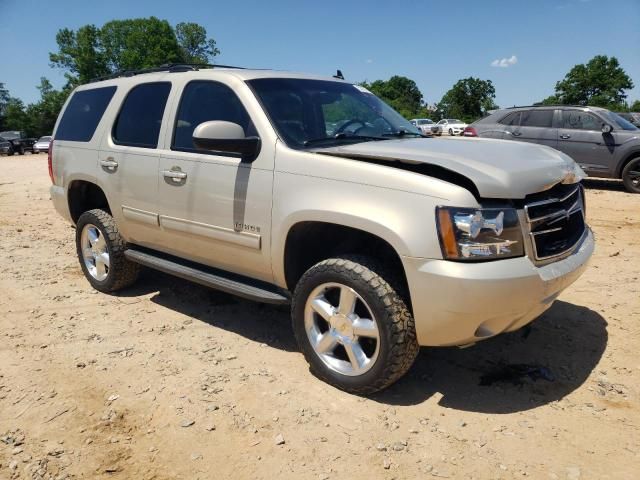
(289, 188)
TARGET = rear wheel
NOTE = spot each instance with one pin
(352, 326)
(101, 252)
(631, 175)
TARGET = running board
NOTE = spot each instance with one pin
(209, 277)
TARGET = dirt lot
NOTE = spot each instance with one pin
(170, 380)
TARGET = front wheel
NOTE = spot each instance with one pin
(101, 252)
(631, 176)
(353, 327)
(450, 132)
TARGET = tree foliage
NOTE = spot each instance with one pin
(132, 44)
(600, 82)
(635, 106)
(468, 100)
(401, 93)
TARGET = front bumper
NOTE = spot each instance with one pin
(457, 303)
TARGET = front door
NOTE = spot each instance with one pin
(580, 136)
(214, 208)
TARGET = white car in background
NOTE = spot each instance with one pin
(424, 125)
(42, 145)
(452, 126)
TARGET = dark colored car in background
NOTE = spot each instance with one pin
(603, 143)
(14, 141)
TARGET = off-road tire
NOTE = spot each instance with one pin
(632, 166)
(397, 335)
(122, 272)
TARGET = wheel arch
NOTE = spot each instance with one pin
(623, 163)
(311, 241)
(84, 195)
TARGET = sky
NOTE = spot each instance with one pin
(523, 47)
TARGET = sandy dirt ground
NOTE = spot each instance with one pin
(171, 380)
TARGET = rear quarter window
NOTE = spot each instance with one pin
(83, 114)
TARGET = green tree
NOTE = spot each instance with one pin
(400, 92)
(635, 106)
(468, 100)
(193, 41)
(600, 82)
(132, 44)
(43, 114)
(15, 117)
(4, 99)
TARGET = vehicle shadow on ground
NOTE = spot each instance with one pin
(559, 351)
(601, 184)
(567, 341)
(268, 324)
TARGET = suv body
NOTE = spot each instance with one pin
(15, 141)
(600, 141)
(382, 240)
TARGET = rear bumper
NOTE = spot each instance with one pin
(458, 303)
(59, 199)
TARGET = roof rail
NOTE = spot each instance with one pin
(167, 67)
(544, 105)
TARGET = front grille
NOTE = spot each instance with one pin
(556, 220)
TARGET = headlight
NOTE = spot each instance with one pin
(469, 234)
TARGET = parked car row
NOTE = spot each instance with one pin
(14, 141)
(450, 126)
(602, 142)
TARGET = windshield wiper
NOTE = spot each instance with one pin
(342, 136)
(402, 133)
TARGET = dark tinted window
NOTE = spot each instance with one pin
(138, 123)
(579, 120)
(536, 118)
(511, 119)
(83, 113)
(203, 101)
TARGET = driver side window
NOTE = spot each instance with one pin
(578, 120)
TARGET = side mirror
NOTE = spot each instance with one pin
(226, 137)
(606, 128)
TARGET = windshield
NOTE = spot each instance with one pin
(454, 120)
(306, 112)
(618, 121)
(425, 122)
(10, 135)
(44, 139)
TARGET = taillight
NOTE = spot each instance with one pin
(470, 132)
(50, 163)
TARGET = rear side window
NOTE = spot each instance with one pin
(138, 123)
(537, 118)
(83, 113)
(203, 101)
(511, 119)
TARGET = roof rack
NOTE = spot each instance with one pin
(167, 67)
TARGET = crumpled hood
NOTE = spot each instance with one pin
(498, 168)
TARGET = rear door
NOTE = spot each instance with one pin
(129, 159)
(580, 136)
(535, 126)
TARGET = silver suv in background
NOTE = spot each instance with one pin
(603, 143)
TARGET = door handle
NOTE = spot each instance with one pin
(516, 134)
(109, 164)
(565, 136)
(175, 175)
